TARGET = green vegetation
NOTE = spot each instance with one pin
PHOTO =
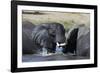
(67, 19)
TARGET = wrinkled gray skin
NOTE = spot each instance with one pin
(41, 38)
(83, 42)
(82, 45)
(71, 41)
(57, 31)
(46, 35)
(27, 44)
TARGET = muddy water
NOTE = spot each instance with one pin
(37, 58)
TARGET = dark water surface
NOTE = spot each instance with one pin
(37, 58)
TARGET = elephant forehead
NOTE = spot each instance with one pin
(53, 25)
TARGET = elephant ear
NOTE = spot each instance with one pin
(42, 37)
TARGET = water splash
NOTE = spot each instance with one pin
(59, 50)
(44, 52)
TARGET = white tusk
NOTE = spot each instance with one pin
(62, 44)
(58, 44)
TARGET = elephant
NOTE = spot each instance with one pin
(83, 42)
(78, 41)
(27, 44)
(71, 41)
(46, 36)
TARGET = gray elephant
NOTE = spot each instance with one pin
(27, 44)
(83, 41)
(71, 41)
(78, 41)
(46, 36)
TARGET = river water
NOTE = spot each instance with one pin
(53, 57)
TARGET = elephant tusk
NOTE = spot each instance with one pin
(62, 44)
(58, 44)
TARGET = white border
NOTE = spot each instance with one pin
(53, 63)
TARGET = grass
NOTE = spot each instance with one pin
(67, 19)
